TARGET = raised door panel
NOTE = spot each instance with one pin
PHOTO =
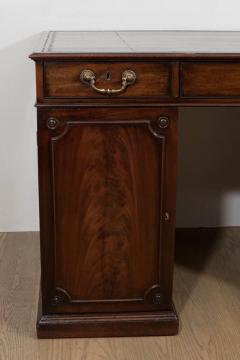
(107, 179)
(102, 191)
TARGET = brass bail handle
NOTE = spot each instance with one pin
(128, 78)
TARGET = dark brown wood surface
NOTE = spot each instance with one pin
(62, 79)
(107, 173)
(108, 325)
(176, 83)
(101, 190)
(111, 180)
(218, 79)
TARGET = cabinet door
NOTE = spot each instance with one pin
(107, 208)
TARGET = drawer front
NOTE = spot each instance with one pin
(62, 79)
(215, 80)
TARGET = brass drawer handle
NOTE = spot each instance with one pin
(88, 77)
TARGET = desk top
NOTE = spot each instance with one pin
(176, 43)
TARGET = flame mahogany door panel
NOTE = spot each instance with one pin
(107, 209)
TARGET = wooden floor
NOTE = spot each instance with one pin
(206, 292)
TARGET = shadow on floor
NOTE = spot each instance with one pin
(209, 251)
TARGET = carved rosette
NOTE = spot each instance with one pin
(57, 300)
(52, 123)
(163, 122)
(153, 295)
(61, 297)
(157, 127)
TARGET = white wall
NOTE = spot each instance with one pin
(208, 185)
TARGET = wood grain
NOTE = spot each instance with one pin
(102, 191)
(207, 295)
(210, 80)
(102, 209)
(62, 79)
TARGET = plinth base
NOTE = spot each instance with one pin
(108, 325)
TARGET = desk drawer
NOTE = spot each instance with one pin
(215, 80)
(62, 79)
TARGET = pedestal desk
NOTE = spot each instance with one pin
(107, 111)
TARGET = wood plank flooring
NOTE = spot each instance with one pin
(206, 293)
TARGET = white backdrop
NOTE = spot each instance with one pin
(208, 188)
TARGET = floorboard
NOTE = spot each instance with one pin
(206, 293)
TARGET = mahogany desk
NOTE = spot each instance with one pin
(107, 105)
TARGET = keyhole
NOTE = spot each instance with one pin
(108, 75)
